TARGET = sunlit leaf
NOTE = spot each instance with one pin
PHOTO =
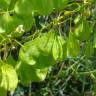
(73, 45)
(59, 48)
(38, 52)
(35, 75)
(9, 79)
(83, 30)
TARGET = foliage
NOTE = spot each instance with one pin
(69, 33)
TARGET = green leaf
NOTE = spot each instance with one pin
(89, 49)
(28, 73)
(24, 7)
(12, 4)
(4, 4)
(41, 6)
(83, 30)
(11, 61)
(73, 46)
(3, 91)
(59, 49)
(4, 20)
(9, 79)
(60, 4)
(9, 23)
(38, 52)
